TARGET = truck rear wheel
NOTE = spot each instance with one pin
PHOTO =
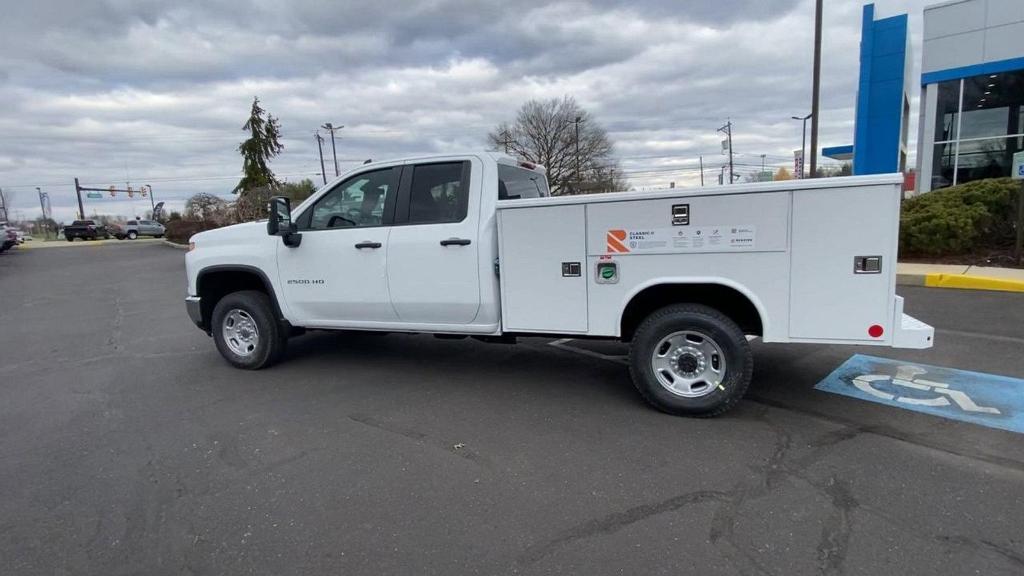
(246, 331)
(692, 360)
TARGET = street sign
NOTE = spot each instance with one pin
(1018, 166)
(93, 195)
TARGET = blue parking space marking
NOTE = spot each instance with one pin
(976, 397)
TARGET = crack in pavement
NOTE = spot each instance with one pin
(617, 521)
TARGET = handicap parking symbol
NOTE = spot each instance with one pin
(985, 399)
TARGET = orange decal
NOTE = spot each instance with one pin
(617, 241)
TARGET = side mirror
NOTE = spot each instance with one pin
(279, 222)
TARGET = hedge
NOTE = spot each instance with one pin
(179, 231)
(960, 220)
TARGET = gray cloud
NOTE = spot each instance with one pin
(156, 92)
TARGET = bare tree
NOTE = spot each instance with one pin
(205, 207)
(544, 132)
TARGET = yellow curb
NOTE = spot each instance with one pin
(965, 282)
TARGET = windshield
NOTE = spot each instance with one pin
(515, 183)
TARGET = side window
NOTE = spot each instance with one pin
(439, 193)
(357, 202)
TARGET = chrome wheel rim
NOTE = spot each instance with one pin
(689, 364)
(240, 332)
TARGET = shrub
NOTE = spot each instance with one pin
(959, 220)
(179, 231)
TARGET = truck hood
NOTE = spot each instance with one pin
(233, 233)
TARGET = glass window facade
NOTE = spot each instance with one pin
(979, 125)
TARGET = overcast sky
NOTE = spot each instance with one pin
(156, 92)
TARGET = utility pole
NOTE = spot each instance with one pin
(579, 179)
(762, 164)
(816, 90)
(3, 204)
(803, 143)
(42, 208)
(78, 192)
(506, 139)
(331, 128)
(727, 130)
(320, 146)
(701, 170)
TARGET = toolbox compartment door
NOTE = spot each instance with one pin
(838, 290)
(542, 256)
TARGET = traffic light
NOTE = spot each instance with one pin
(113, 191)
(129, 191)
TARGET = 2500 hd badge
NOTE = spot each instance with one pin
(306, 281)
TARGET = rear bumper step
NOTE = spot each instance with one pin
(910, 332)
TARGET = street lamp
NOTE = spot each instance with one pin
(803, 143)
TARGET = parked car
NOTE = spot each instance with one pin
(8, 237)
(86, 230)
(135, 228)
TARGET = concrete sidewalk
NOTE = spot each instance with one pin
(960, 276)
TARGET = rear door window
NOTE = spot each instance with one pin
(439, 193)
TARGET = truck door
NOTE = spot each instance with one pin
(433, 268)
(338, 274)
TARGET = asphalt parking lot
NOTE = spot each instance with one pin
(127, 446)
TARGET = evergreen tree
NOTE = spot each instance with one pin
(257, 151)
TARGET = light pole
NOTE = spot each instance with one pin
(803, 143)
(816, 89)
(577, 121)
(331, 128)
(152, 203)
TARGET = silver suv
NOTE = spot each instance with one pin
(132, 229)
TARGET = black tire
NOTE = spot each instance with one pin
(106, 236)
(71, 239)
(132, 234)
(739, 362)
(273, 338)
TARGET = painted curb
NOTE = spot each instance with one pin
(173, 245)
(966, 282)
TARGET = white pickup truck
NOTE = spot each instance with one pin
(472, 245)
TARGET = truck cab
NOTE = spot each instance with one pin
(472, 245)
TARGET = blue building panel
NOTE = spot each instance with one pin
(880, 95)
(997, 67)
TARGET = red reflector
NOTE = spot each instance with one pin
(876, 331)
(528, 165)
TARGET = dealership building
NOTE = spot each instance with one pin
(972, 93)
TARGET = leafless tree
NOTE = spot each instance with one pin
(205, 207)
(544, 132)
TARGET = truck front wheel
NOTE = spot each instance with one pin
(692, 360)
(246, 331)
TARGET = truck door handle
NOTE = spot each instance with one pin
(456, 242)
(362, 245)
